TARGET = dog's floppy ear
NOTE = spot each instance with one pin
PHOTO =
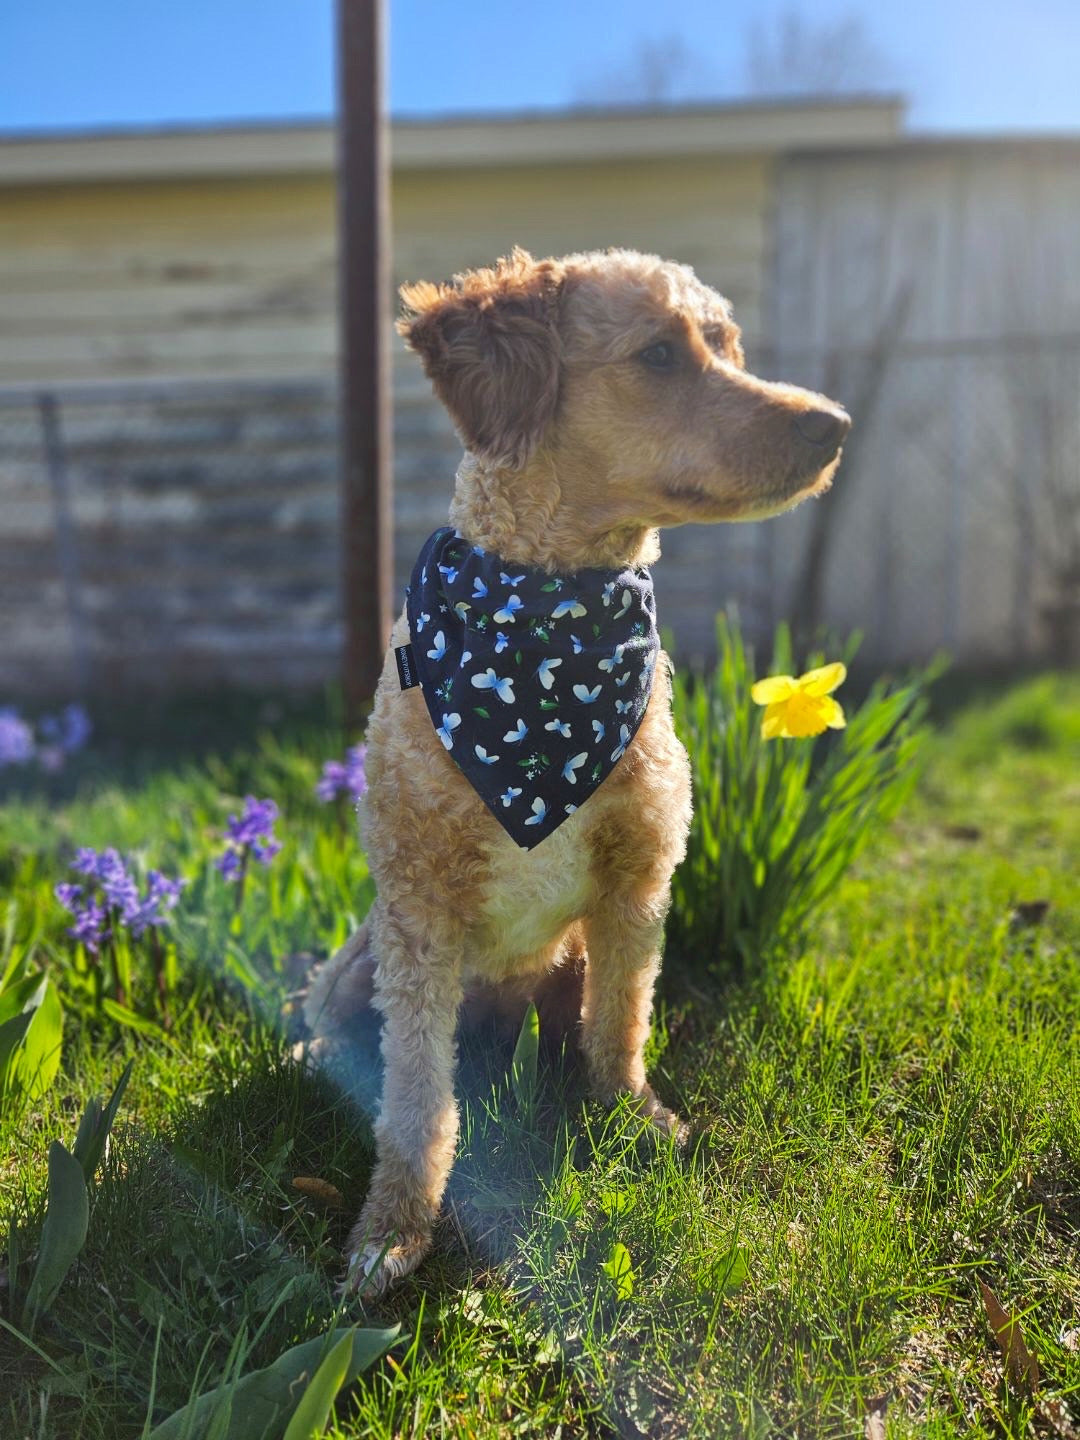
(489, 343)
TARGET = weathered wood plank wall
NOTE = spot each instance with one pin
(202, 492)
(205, 516)
(948, 518)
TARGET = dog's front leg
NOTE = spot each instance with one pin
(624, 939)
(418, 988)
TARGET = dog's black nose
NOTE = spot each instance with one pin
(826, 429)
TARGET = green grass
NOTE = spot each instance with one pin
(885, 1113)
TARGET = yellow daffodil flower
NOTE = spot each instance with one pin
(796, 708)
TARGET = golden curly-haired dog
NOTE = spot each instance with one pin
(599, 396)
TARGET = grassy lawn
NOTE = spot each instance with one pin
(886, 1112)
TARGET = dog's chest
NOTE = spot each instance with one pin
(530, 899)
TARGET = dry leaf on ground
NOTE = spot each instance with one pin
(320, 1190)
(1021, 1366)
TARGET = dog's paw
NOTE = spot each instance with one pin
(381, 1262)
(660, 1117)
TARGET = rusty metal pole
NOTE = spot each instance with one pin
(365, 435)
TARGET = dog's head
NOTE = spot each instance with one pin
(626, 374)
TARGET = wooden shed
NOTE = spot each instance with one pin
(168, 503)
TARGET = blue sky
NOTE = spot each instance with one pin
(90, 63)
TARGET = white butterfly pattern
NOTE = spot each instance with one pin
(573, 608)
(539, 811)
(574, 763)
(543, 672)
(624, 740)
(444, 731)
(505, 614)
(490, 681)
(500, 630)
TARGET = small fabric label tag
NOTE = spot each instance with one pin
(406, 669)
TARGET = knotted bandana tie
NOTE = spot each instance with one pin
(535, 683)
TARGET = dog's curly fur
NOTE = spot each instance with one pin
(583, 437)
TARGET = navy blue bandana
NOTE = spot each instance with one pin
(535, 683)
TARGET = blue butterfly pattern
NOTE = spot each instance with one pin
(504, 631)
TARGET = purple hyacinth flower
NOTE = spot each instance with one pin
(68, 895)
(229, 864)
(76, 728)
(86, 861)
(16, 738)
(89, 928)
(120, 890)
(346, 777)
(251, 833)
(356, 771)
(332, 781)
(256, 823)
(161, 896)
(165, 893)
(63, 734)
(265, 850)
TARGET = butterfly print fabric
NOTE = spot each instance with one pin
(535, 683)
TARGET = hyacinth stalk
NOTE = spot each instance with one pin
(343, 782)
(248, 835)
(111, 914)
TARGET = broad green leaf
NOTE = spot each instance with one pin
(523, 1065)
(62, 1235)
(261, 1403)
(731, 1270)
(615, 1202)
(39, 1056)
(26, 993)
(95, 1126)
(12, 1034)
(310, 1416)
(620, 1271)
(123, 1016)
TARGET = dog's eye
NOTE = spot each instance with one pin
(661, 356)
